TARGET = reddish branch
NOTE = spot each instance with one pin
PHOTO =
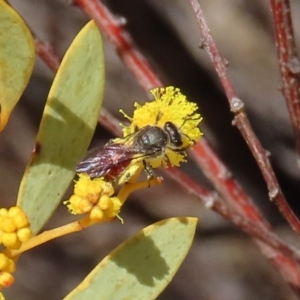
(132, 58)
(247, 216)
(231, 191)
(288, 62)
(47, 53)
(225, 183)
(242, 122)
(213, 201)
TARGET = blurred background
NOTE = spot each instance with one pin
(223, 263)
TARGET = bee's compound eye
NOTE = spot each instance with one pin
(174, 135)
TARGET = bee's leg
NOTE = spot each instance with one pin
(149, 171)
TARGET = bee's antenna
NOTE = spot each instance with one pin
(188, 118)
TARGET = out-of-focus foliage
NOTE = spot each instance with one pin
(16, 60)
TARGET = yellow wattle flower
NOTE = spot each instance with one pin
(14, 227)
(169, 105)
(93, 196)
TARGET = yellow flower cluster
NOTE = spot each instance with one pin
(169, 105)
(14, 227)
(7, 266)
(93, 196)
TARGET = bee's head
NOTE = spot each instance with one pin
(173, 134)
(176, 141)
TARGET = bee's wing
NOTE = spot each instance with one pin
(99, 162)
(102, 161)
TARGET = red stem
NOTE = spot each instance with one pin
(47, 53)
(213, 201)
(132, 58)
(225, 183)
(288, 62)
(242, 122)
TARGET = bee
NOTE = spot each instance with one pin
(120, 158)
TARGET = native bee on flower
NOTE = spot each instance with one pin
(160, 133)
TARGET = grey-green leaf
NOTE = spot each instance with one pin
(67, 126)
(16, 60)
(142, 266)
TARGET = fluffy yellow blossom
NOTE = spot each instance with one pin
(93, 196)
(169, 106)
(14, 227)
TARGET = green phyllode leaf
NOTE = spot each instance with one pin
(67, 126)
(16, 59)
(142, 266)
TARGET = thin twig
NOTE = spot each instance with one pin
(288, 62)
(225, 183)
(132, 58)
(241, 121)
(213, 201)
(47, 53)
(278, 252)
